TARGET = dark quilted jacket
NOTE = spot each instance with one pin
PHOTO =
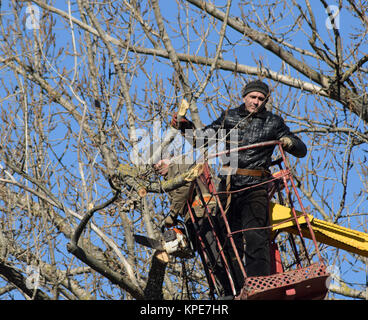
(260, 127)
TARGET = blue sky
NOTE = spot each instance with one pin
(249, 56)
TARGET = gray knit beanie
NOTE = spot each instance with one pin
(256, 85)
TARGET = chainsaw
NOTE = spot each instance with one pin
(175, 242)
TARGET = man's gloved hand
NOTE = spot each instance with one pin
(286, 142)
(183, 124)
(170, 220)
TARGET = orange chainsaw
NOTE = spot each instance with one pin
(174, 242)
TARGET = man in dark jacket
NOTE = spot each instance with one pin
(249, 209)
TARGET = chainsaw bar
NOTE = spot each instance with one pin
(149, 242)
(175, 243)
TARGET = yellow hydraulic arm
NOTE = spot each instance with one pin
(325, 232)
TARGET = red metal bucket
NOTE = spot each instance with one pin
(307, 283)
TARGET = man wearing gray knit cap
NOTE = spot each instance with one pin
(248, 208)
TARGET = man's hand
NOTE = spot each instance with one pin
(162, 166)
(286, 142)
(183, 124)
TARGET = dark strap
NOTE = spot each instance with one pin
(250, 172)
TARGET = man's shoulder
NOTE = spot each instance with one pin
(241, 112)
(272, 116)
(230, 114)
(233, 111)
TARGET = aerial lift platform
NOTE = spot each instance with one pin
(308, 279)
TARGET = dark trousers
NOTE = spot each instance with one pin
(249, 209)
(202, 231)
